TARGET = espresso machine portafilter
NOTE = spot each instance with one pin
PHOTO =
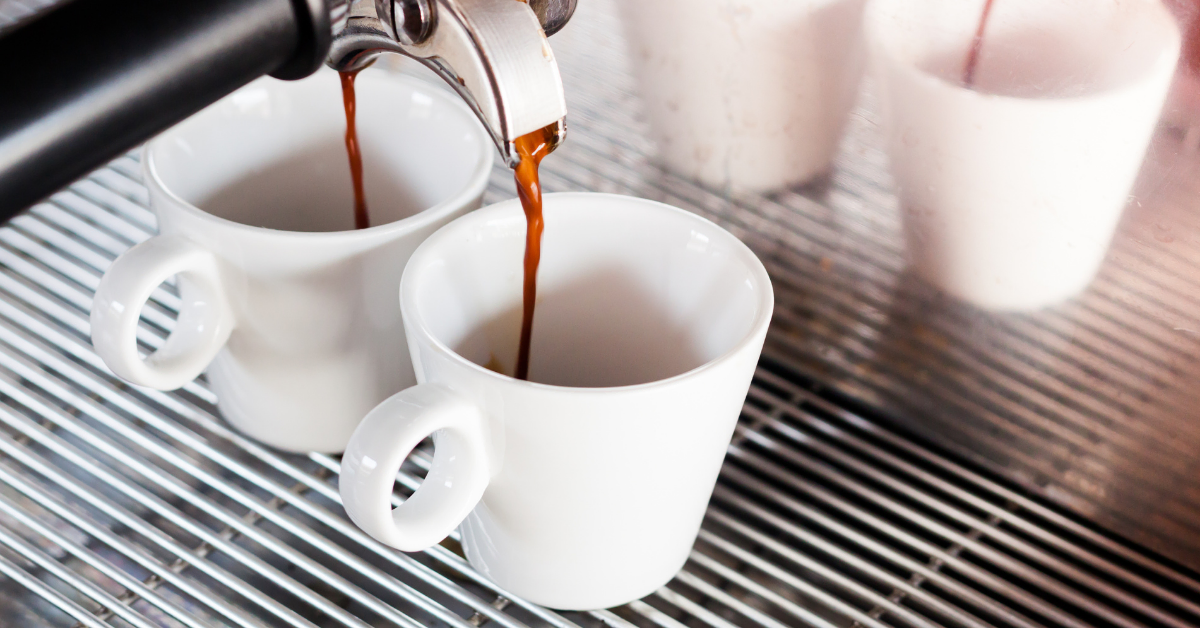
(91, 79)
(511, 82)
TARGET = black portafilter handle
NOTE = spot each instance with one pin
(92, 79)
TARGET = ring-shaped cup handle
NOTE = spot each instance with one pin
(456, 479)
(204, 323)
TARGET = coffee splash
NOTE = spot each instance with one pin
(362, 219)
(532, 148)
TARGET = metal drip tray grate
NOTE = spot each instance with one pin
(131, 507)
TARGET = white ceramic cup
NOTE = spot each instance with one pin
(585, 487)
(1011, 191)
(749, 94)
(287, 306)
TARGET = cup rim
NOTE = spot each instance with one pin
(474, 187)
(420, 328)
(881, 47)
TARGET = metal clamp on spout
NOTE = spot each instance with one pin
(494, 53)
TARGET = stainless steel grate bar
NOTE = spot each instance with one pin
(655, 616)
(16, 12)
(695, 610)
(926, 572)
(77, 612)
(238, 524)
(948, 537)
(110, 509)
(986, 528)
(978, 482)
(798, 612)
(880, 458)
(110, 605)
(145, 499)
(268, 511)
(831, 599)
(686, 578)
(137, 589)
(170, 574)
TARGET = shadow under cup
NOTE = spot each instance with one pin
(627, 294)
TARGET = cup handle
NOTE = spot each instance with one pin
(204, 323)
(456, 480)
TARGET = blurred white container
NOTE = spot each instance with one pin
(750, 94)
(1011, 191)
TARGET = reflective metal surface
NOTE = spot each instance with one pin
(493, 53)
(13, 13)
(553, 14)
(901, 460)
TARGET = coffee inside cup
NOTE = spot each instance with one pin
(625, 296)
(276, 158)
(310, 190)
(583, 341)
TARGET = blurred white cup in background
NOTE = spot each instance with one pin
(1011, 191)
(749, 94)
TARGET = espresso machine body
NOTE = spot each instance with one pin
(97, 77)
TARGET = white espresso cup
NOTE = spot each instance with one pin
(1011, 191)
(752, 94)
(287, 306)
(585, 487)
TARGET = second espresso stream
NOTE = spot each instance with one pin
(532, 148)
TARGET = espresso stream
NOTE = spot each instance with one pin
(968, 77)
(361, 219)
(532, 147)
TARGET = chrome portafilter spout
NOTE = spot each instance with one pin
(494, 53)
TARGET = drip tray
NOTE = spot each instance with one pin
(132, 507)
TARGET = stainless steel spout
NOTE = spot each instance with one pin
(494, 53)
